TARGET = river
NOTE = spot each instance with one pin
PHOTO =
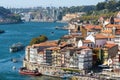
(23, 33)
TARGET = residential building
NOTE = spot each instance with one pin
(110, 52)
(68, 53)
(53, 56)
(84, 58)
(35, 53)
(68, 17)
(87, 43)
(92, 29)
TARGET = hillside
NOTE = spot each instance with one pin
(7, 17)
(4, 12)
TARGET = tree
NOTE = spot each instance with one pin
(111, 5)
(41, 38)
(100, 6)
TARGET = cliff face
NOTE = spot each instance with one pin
(7, 17)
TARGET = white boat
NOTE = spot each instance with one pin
(16, 47)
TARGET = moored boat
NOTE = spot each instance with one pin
(25, 71)
(16, 47)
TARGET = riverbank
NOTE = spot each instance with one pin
(44, 69)
(59, 72)
(51, 71)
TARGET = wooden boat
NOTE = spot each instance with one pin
(25, 71)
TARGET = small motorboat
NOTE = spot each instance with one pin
(25, 71)
(16, 47)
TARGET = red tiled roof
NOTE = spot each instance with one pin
(107, 31)
(117, 32)
(47, 43)
(97, 27)
(113, 25)
(111, 36)
(110, 45)
(92, 27)
(116, 20)
(100, 36)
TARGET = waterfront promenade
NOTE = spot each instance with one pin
(86, 78)
(58, 72)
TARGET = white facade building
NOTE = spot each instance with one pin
(85, 59)
(33, 55)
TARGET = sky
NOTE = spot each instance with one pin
(46, 3)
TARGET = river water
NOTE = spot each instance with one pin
(23, 33)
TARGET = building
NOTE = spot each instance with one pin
(53, 56)
(110, 52)
(35, 53)
(68, 17)
(87, 43)
(84, 58)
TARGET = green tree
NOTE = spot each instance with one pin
(41, 38)
(111, 5)
(100, 6)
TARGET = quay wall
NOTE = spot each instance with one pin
(44, 69)
(47, 70)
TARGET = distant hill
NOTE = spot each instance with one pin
(4, 12)
(75, 9)
(7, 17)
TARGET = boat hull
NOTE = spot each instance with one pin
(29, 72)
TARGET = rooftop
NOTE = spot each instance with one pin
(117, 32)
(110, 45)
(107, 31)
(116, 20)
(102, 36)
(53, 48)
(47, 43)
(113, 25)
(92, 27)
